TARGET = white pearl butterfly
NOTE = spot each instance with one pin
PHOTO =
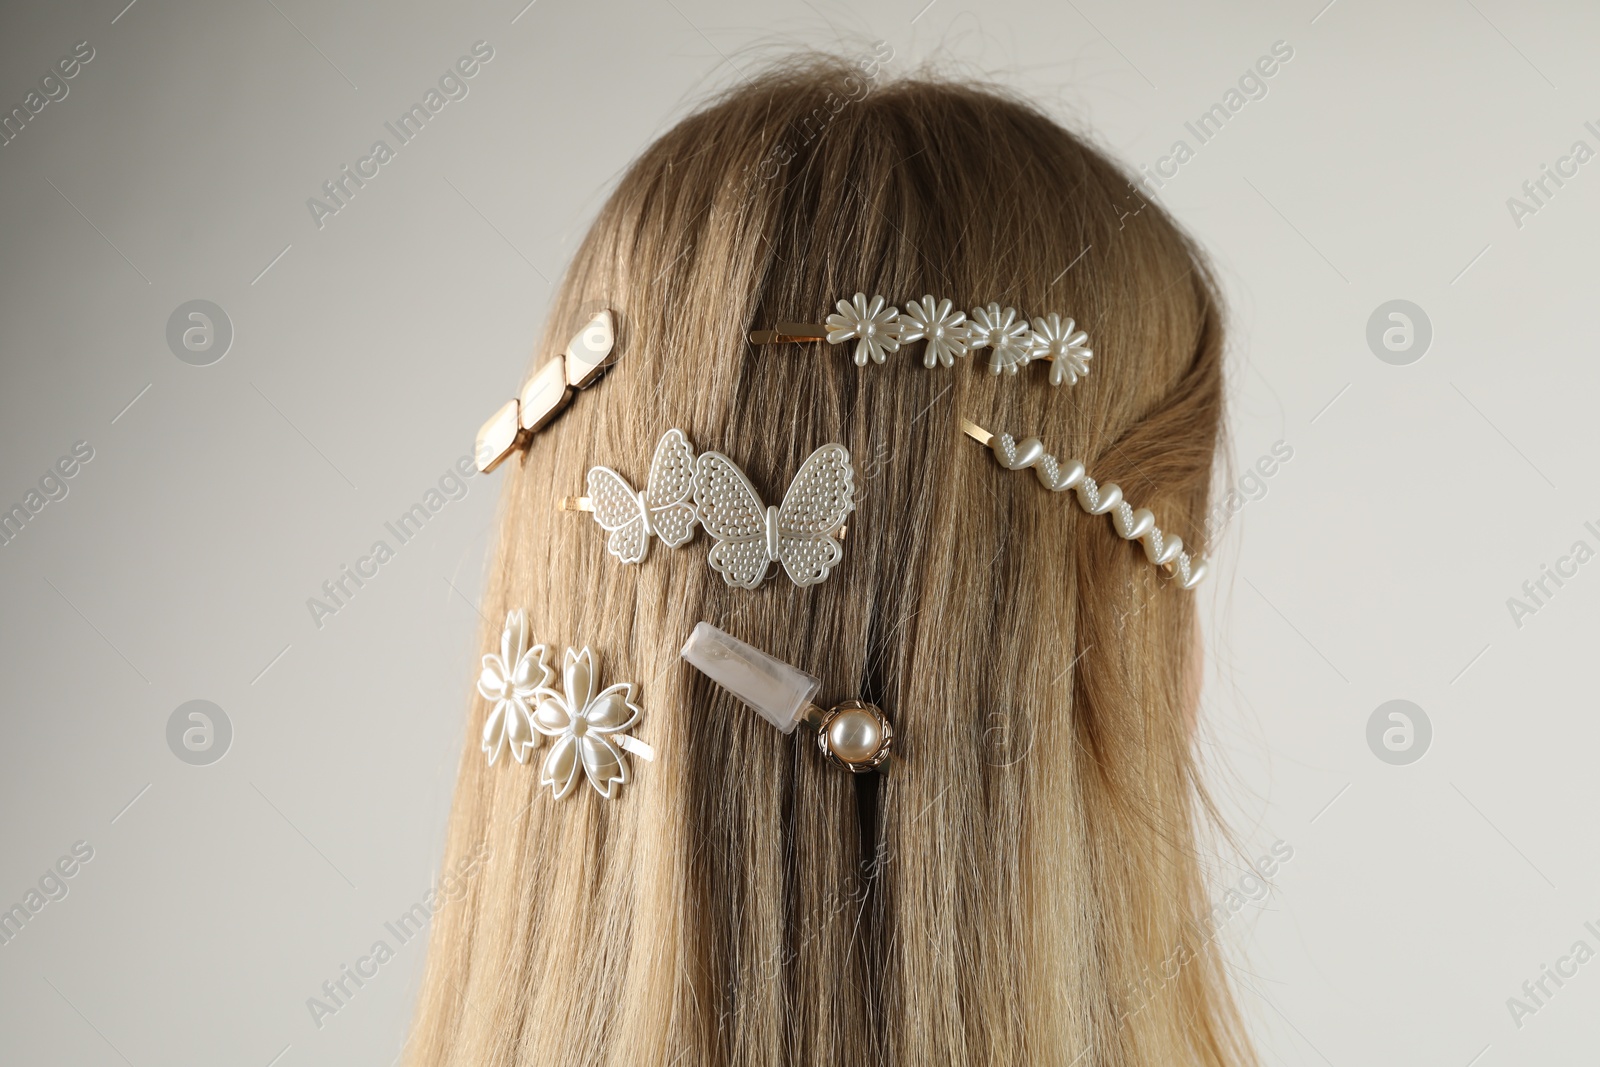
(664, 508)
(798, 534)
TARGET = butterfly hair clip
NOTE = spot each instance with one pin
(802, 534)
(665, 508)
(799, 533)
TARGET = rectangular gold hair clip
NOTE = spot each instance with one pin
(546, 392)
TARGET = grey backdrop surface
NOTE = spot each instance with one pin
(1375, 564)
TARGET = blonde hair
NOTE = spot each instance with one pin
(1024, 886)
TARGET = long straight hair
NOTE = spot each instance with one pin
(1024, 886)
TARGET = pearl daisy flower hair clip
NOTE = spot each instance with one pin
(853, 734)
(1165, 551)
(587, 721)
(878, 328)
(802, 534)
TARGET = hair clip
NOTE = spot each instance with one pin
(853, 734)
(546, 392)
(1133, 525)
(879, 328)
(666, 507)
(587, 722)
(801, 533)
(511, 679)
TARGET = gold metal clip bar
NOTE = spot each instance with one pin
(789, 333)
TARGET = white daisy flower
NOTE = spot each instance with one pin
(874, 326)
(1006, 335)
(945, 330)
(1066, 346)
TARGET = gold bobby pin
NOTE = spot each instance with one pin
(789, 333)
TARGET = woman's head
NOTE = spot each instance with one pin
(1023, 886)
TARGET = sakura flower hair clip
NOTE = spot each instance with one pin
(853, 734)
(512, 679)
(586, 720)
(878, 329)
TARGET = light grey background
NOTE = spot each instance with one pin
(1376, 567)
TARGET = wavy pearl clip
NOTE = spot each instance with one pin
(878, 328)
(1133, 524)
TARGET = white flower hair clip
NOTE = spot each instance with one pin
(1132, 524)
(511, 679)
(587, 721)
(853, 734)
(802, 534)
(878, 329)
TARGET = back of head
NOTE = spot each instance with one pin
(1023, 886)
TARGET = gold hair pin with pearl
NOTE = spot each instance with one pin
(852, 734)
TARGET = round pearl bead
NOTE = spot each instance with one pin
(855, 735)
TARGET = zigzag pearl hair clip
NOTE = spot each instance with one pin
(879, 328)
(802, 534)
(545, 393)
(1132, 524)
(853, 734)
(586, 721)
